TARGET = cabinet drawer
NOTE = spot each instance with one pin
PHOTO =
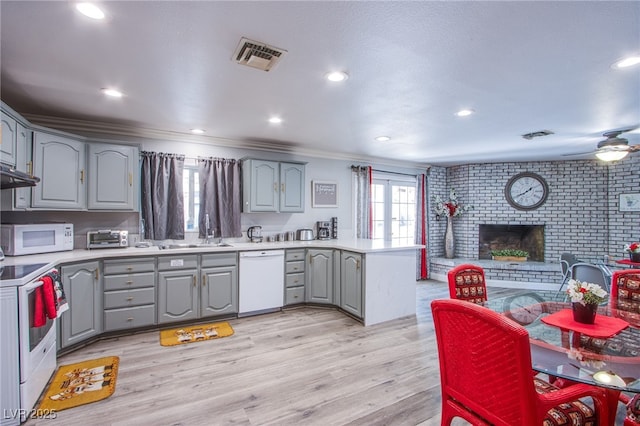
(169, 263)
(219, 259)
(129, 298)
(123, 282)
(294, 255)
(294, 280)
(139, 316)
(142, 264)
(294, 295)
(292, 267)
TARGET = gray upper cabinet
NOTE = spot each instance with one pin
(19, 198)
(9, 137)
(83, 289)
(272, 186)
(59, 162)
(319, 276)
(111, 177)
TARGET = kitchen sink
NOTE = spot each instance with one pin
(198, 245)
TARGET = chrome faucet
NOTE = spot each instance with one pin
(207, 229)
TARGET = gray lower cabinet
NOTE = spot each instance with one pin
(351, 288)
(219, 284)
(294, 276)
(319, 275)
(83, 289)
(129, 293)
(9, 356)
(178, 288)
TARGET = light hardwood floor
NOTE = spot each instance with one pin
(309, 365)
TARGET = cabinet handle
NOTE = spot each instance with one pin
(194, 281)
(129, 319)
(275, 186)
(204, 280)
(129, 268)
(97, 273)
(130, 179)
(282, 186)
(358, 264)
(129, 282)
(129, 299)
(30, 168)
(82, 176)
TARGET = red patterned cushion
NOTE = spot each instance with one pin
(629, 293)
(633, 408)
(470, 286)
(575, 413)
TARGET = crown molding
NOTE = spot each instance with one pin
(101, 131)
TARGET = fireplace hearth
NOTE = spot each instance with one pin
(529, 238)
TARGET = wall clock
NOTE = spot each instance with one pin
(526, 191)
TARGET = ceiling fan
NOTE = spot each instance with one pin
(614, 147)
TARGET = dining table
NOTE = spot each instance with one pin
(605, 354)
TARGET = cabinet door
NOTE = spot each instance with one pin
(111, 173)
(261, 183)
(82, 287)
(291, 187)
(8, 143)
(219, 291)
(23, 164)
(177, 295)
(320, 276)
(59, 162)
(351, 283)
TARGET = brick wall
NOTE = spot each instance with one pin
(581, 213)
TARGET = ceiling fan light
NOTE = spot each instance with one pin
(611, 155)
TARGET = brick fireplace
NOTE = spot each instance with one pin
(529, 238)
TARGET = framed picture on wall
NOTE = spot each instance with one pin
(324, 193)
(630, 202)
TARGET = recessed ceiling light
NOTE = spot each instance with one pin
(464, 112)
(112, 92)
(90, 10)
(383, 138)
(627, 62)
(275, 120)
(337, 76)
(197, 131)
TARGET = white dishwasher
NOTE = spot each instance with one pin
(261, 281)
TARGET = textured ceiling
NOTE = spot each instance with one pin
(522, 66)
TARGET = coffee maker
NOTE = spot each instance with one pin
(324, 230)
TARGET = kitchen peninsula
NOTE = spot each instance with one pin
(386, 270)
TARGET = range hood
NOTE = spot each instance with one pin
(12, 178)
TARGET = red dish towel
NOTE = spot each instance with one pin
(44, 303)
(603, 326)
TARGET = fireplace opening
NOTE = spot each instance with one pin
(529, 238)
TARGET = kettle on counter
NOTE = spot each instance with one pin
(255, 234)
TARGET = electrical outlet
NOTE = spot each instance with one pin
(134, 239)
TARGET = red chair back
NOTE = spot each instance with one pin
(625, 294)
(485, 363)
(466, 282)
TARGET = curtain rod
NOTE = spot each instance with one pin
(385, 171)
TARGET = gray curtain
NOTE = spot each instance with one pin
(220, 197)
(421, 227)
(363, 176)
(162, 196)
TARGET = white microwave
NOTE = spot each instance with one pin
(33, 238)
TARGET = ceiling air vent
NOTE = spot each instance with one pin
(537, 134)
(257, 55)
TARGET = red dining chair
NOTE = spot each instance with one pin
(466, 282)
(485, 373)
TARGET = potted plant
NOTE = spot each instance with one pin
(585, 298)
(511, 255)
(634, 251)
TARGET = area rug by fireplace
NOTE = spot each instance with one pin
(81, 383)
(195, 333)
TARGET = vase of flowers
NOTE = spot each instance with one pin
(585, 298)
(449, 209)
(634, 251)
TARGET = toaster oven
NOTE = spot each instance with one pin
(107, 238)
